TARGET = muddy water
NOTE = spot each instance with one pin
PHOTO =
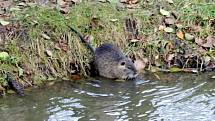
(167, 97)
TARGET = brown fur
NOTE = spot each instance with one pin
(110, 62)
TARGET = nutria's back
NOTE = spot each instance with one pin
(112, 63)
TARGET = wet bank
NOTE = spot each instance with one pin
(37, 47)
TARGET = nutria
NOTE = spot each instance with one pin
(110, 62)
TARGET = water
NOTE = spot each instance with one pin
(161, 97)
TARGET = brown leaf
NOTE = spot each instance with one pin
(169, 30)
(201, 50)
(132, 6)
(212, 39)
(5, 4)
(140, 64)
(64, 10)
(41, 2)
(45, 36)
(134, 1)
(89, 38)
(22, 4)
(123, 1)
(2, 88)
(61, 46)
(76, 1)
(49, 53)
(169, 1)
(134, 40)
(75, 77)
(161, 27)
(199, 41)
(210, 42)
(197, 28)
(61, 3)
(180, 35)
(94, 22)
(169, 57)
(169, 21)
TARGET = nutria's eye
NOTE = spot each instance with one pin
(122, 63)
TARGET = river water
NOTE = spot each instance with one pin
(155, 97)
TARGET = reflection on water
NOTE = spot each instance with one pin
(173, 97)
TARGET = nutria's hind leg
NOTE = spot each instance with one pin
(93, 71)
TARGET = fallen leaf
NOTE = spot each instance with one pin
(123, 1)
(134, 1)
(139, 64)
(190, 70)
(209, 43)
(49, 53)
(157, 76)
(78, 1)
(168, 29)
(212, 77)
(22, 4)
(180, 35)
(64, 10)
(10, 91)
(114, 20)
(3, 22)
(51, 82)
(170, 57)
(88, 38)
(196, 28)
(2, 88)
(4, 56)
(164, 12)
(5, 3)
(134, 40)
(188, 36)
(61, 2)
(207, 60)
(21, 71)
(161, 27)
(175, 69)
(169, 21)
(16, 8)
(132, 6)
(211, 39)
(45, 36)
(199, 41)
(156, 57)
(201, 50)
(169, 1)
(75, 77)
(61, 46)
(180, 26)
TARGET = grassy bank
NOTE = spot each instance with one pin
(41, 47)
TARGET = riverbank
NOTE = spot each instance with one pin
(36, 45)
